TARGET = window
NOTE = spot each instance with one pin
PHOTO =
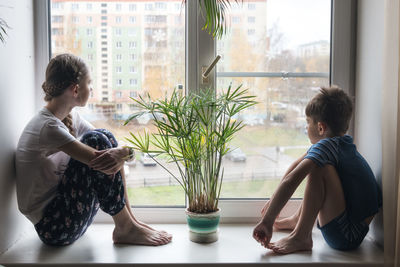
(57, 19)
(75, 19)
(89, 19)
(132, 7)
(89, 32)
(132, 19)
(118, 94)
(235, 19)
(133, 94)
(89, 6)
(251, 6)
(118, 31)
(74, 7)
(119, 106)
(282, 68)
(118, 19)
(118, 69)
(282, 72)
(132, 44)
(118, 7)
(132, 82)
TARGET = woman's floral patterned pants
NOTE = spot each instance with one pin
(80, 193)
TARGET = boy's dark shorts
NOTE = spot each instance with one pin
(343, 234)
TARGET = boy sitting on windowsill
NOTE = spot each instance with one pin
(341, 189)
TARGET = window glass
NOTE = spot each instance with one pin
(282, 56)
(131, 49)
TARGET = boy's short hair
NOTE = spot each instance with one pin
(333, 107)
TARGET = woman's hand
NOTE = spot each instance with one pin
(109, 161)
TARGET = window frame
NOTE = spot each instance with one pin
(200, 51)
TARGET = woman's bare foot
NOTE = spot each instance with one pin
(139, 235)
(146, 225)
(291, 244)
(288, 223)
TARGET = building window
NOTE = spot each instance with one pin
(133, 94)
(119, 82)
(251, 19)
(132, 7)
(89, 19)
(89, 44)
(57, 19)
(118, 7)
(118, 69)
(118, 31)
(118, 44)
(89, 6)
(89, 32)
(160, 5)
(132, 19)
(119, 57)
(75, 19)
(251, 31)
(132, 69)
(132, 44)
(118, 19)
(132, 82)
(119, 106)
(90, 57)
(74, 6)
(132, 57)
(251, 6)
(118, 94)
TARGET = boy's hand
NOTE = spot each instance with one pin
(262, 233)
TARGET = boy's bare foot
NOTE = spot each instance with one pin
(291, 244)
(288, 223)
(139, 235)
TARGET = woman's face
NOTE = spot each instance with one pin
(84, 90)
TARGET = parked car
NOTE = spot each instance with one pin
(236, 155)
(147, 160)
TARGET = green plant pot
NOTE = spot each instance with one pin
(203, 227)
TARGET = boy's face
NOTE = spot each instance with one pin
(312, 130)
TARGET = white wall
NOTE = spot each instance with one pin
(368, 110)
(17, 107)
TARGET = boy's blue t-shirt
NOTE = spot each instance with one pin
(361, 191)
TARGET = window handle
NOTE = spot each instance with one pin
(206, 70)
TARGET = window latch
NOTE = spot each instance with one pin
(206, 70)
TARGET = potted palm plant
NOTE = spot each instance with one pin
(193, 132)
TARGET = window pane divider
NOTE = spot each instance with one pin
(275, 74)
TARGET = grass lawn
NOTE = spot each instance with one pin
(173, 195)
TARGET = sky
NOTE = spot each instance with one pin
(302, 21)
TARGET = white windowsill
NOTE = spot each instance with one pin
(235, 246)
